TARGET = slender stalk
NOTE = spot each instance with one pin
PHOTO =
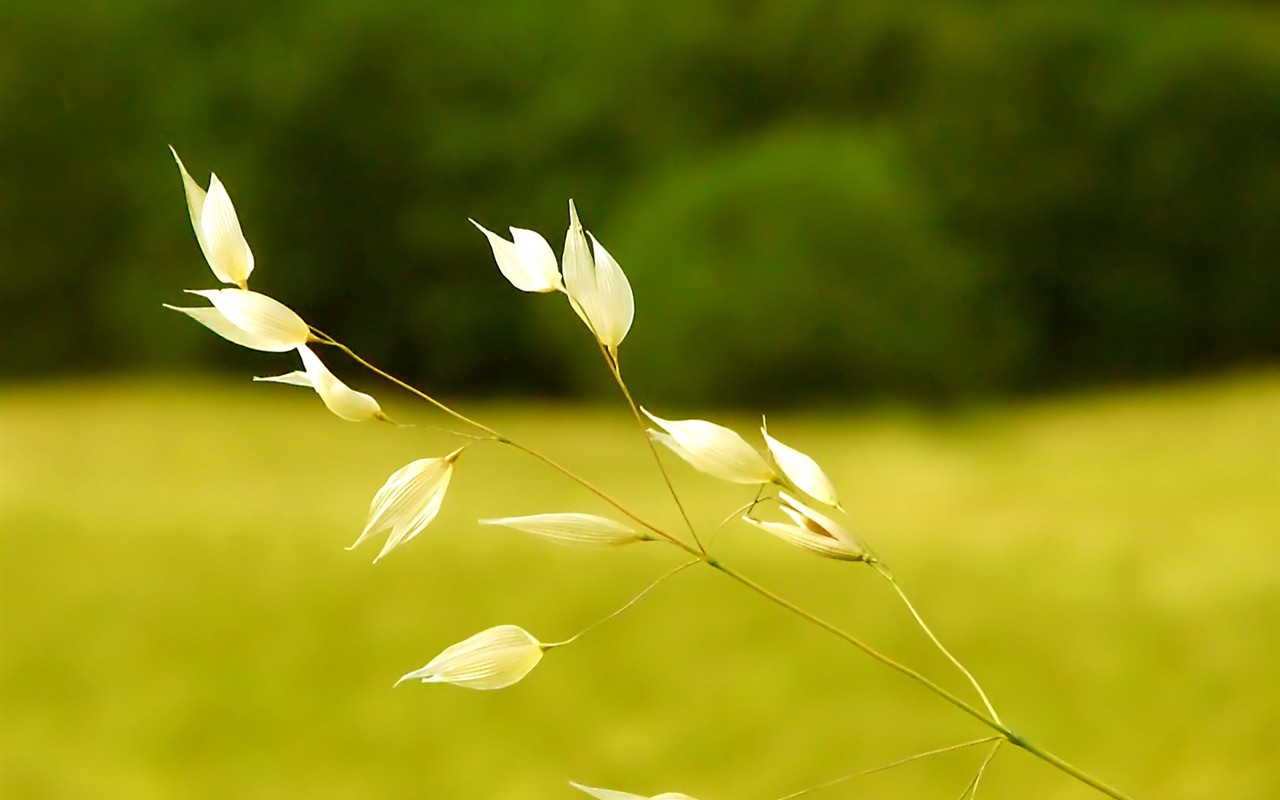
(971, 791)
(1006, 733)
(880, 568)
(666, 478)
(884, 767)
(745, 508)
(329, 340)
(602, 494)
(840, 633)
(654, 585)
(1075, 772)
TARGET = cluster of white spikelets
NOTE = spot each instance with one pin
(597, 289)
(411, 498)
(600, 294)
(722, 453)
(251, 319)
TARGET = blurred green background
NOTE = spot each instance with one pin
(1009, 270)
(181, 621)
(936, 200)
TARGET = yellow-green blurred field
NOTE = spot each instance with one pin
(180, 619)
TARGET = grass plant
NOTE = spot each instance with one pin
(783, 479)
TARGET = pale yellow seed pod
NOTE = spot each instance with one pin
(408, 501)
(249, 319)
(813, 531)
(713, 449)
(583, 530)
(597, 288)
(527, 260)
(217, 229)
(492, 659)
(803, 472)
(339, 398)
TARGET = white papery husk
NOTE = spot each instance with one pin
(492, 659)
(713, 449)
(527, 261)
(813, 531)
(802, 471)
(217, 228)
(339, 398)
(597, 288)
(408, 501)
(585, 530)
(249, 319)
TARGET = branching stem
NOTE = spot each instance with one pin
(987, 718)
(971, 791)
(329, 340)
(1005, 733)
(885, 767)
(654, 585)
(666, 478)
(883, 570)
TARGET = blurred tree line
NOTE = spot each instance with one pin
(814, 199)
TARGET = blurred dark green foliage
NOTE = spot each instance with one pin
(813, 200)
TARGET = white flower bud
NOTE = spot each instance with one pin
(527, 261)
(409, 501)
(586, 530)
(492, 659)
(802, 471)
(217, 229)
(597, 288)
(337, 396)
(249, 319)
(713, 449)
(813, 531)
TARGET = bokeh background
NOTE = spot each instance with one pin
(1009, 270)
(937, 200)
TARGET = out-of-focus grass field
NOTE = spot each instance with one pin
(180, 619)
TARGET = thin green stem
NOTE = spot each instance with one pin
(971, 791)
(885, 767)
(1073, 771)
(745, 508)
(475, 437)
(784, 603)
(602, 494)
(653, 449)
(884, 571)
(329, 340)
(1012, 737)
(654, 585)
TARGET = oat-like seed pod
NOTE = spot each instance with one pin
(492, 659)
